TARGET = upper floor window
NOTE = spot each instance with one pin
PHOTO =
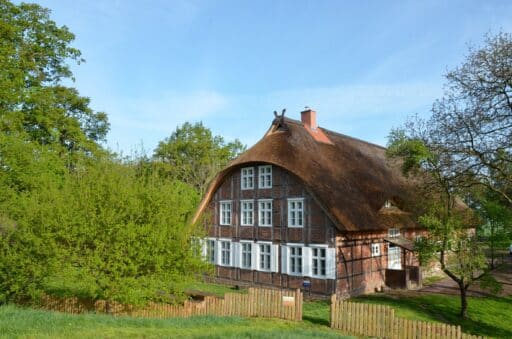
(225, 212)
(265, 212)
(247, 178)
(319, 260)
(265, 176)
(247, 212)
(225, 251)
(375, 250)
(296, 212)
(393, 232)
(296, 260)
(246, 248)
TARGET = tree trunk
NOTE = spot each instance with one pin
(463, 301)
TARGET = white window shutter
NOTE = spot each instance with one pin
(330, 263)
(235, 254)
(274, 258)
(284, 259)
(306, 262)
(218, 254)
(256, 256)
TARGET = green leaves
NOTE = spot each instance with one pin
(193, 155)
(34, 52)
(102, 230)
(411, 150)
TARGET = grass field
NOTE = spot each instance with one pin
(16, 322)
(490, 316)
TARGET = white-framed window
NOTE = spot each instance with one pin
(265, 252)
(319, 261)
(295, 260)
(296, 212)
(265, 176)
(247, 181)
(375, 250)
(225, 252)
(210, 250)
(246, 212)
(246, 255)
(393, 232)
(265, 212)
(225, 212)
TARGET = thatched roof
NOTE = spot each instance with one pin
(351, 179)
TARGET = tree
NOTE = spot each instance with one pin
(102, 231)
(194, 155)
(496, 230)
(33, 99)
(450, 240)
(472, 123)
(465, 145)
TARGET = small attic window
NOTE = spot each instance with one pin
(388, 204)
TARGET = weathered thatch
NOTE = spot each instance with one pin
(351, 179)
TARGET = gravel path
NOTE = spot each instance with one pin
(447, 286)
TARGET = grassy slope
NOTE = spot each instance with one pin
(18, 322)
(487, 316)
(491, 316)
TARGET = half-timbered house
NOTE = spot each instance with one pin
(306, 206)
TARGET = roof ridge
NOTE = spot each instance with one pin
(298, 122)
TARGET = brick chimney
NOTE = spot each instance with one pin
(308, 117)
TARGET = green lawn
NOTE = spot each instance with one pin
(16, 322)
(213, 289)
(491, 316)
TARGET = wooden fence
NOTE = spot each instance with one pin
(257, 303)
(380, 321)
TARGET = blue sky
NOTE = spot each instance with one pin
(363, 65)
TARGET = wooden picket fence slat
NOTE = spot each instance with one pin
(257, 303)
(380, 321)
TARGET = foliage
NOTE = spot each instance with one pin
(193, 155)
(30, 180)
(33, 99)
(75, 220)
(101, 232)
(471, 124)
(464, 146)
(496, 229)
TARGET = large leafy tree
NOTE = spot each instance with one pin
(102, 231)
(450, 240)
(34, 52)
(464, 148)
(194, 155)
(471, 125)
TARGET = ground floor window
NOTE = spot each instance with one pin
(225, 250)
(375, 250)
(246, 255)
(210, 250)
(265, 257)
(319, 259)
(295, 260)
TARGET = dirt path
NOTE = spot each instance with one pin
(447, 286)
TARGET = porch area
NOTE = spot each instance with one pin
(403, 271)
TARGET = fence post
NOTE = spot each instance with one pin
(333, 310)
